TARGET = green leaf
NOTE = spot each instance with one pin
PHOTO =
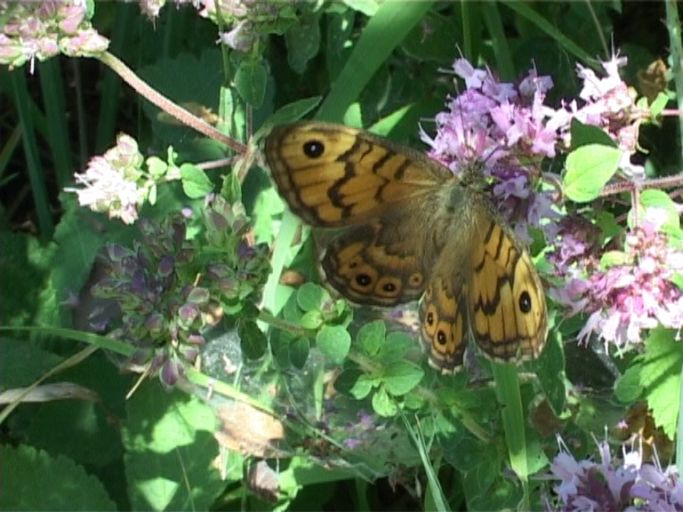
(654, 198)
(383, 404)
(310, 296)
(195, 182)
(370, 337)
(659, 104)
(465, 453)
(660, 376)
(298, 351)
(22, 362)
(628, 387)
(252, 340)
(171, 451)
(613, 258)
(303, 42)
(250, 82)
(396, 346)
(34, 480)
(402, 376)
(585, 134)
(608, 225)
(550, 371)
(289, 113)
(346, 380)
(311, 320)
(355, 383)
(334, 341)
(677, 279)
(589, 168)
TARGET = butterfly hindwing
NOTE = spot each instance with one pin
(386, 261)
(443, 319)
(506, 301)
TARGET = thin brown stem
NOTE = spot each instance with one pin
(165, 104)
(630, 186)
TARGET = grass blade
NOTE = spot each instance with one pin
(383, 33)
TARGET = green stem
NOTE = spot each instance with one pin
(507, 391)
(673, 25)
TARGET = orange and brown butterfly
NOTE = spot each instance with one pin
(400, 227)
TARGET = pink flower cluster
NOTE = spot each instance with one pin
(114, 182)
(606, 485)
(636, 294)
(43, 29)
(507, 130)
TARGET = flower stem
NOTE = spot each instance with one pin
(166, 104)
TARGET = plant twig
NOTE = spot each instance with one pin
(161, 101)
(630, 186)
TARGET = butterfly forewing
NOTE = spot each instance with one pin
(333, 176)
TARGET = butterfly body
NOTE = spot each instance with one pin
(401, 227)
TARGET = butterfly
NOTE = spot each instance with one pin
(400, 227)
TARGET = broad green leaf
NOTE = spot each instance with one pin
(34, 480)
(371, 336)
(22, 362)
(334, 341)
(589, 168)
(171, 449)
(585, 134)
(660, 376)
(402, 376)
(677, 279)
(195, 182)
(628, 387)
(608, 225)
(250, 81)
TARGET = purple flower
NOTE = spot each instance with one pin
(611, 485)
(502, 130)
